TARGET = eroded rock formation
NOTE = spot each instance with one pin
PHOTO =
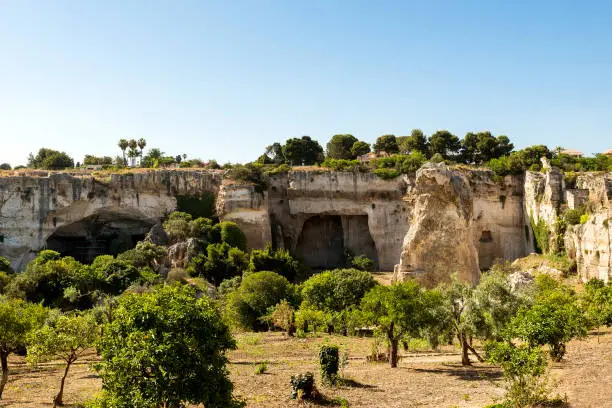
(431, 224)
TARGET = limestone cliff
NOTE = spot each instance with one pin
(440, 239)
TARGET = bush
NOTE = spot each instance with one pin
(220, 262)
(279, 261)
(573, 216)
(303, 386)
(338, 289)
(256, 294)
(329, 360)
(260, 368)
(228, 232)
(283, 317)
(386, 174)
(523, 368)
(345, 165)
(363, 263)
(584, 218)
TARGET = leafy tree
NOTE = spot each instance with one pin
(279, 261)
(220, 262)
(398, 310)
(145, 254)
(166, 348)
(552, 320)
(177, 226)
(303, 151)
(482, 146)
(274, 152)
(597, 302)
(339, 147)
(416, 142)
(94, 160)
(152, 158)
(231, 234)
(5, 166)
(360, 148)
(363, 263)
(461, 309)
(386, 143)
(256, 294)
(283, 317)
(444, 143)
(523, 368)
(337, 290)
(17, 319)
(65, 338)
(49, 159)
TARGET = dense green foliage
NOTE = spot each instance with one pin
(302, 151)
(257, 292)
(279, 261)
(221, 261)
(50, 159)
(329, 362)
(337, 290)
(399, 310)
(17, 320)
(386, 143)
(553, 319)
(340, 147)
(166, 348)
(596, 301)
(66, 337)
(197, 206)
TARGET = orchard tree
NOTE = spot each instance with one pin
(17, 319)
(166, 348)
(386, 143)
(5, 166)
(399, 310)
(339, 147)
(66, 338)
(597, 302)
(553, 320)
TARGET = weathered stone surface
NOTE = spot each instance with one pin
(181, 253)
(157, 235)
(440, 239)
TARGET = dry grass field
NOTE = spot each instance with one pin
(423, 378)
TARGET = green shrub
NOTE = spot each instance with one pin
(338, 289)
(279, 261)
(584, 218)
(329, 360)
(363, 263)
(231, 234)
(573, 216)
(386, 174)
(220, 262)
(345, 165)
(303, 386)
(260, 368)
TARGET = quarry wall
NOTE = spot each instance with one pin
(426, 225)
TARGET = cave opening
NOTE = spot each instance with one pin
(326, 241)
(98, 235)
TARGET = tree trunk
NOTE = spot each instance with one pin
(465, 359)
(475, 353)
(393, 341)
(4, 363)
(59, 398)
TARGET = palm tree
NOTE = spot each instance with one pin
(141, 143)
(133, 152)
(123, 144)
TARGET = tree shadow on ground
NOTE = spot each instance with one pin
(349, 382)
(466, 373)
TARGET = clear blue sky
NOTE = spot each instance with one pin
(223, 79)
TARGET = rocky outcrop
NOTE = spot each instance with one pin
(36, 207)
(440, 239)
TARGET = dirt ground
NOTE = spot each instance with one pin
(423, 378)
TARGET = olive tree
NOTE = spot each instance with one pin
(398, 310)
(166, 348)
(17, 319)
(65, 338)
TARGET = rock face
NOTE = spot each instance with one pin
(440, 238)
(431, 224)
(83, 215)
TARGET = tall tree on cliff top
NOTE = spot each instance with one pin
(386, 143)
(123, 144)
(303, 151)
(339, 147)
(444, 143)
(141, 145)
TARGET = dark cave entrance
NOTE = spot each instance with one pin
(326, 240)
(98, 235)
